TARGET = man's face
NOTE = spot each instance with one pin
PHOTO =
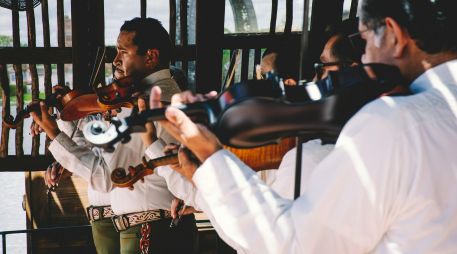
(376, 50)
(327, 56)
(267, 63)
(127, 62)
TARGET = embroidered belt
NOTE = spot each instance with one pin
(96, 213)
(126, 221)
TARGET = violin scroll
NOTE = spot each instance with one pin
(123, 179)
(54, 100)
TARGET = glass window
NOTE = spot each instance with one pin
(253, 16)
(22, 29)
(159, 10)
(191, 21)
(6, 31)
(116, 13)
(191, 75)
(247, 16)
(346, 9)
(297, 21)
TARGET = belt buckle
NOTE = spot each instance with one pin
(120, 223)
(89, 213)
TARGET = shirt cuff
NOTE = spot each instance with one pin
(62, 148)
(155, 150)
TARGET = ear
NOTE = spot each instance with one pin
(398, 36)
(152, 57)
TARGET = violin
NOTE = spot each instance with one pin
(257, 113)
(73, 105)
(119, 93)
(121, 179)
(259, 158)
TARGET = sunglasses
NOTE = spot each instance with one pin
(319, 67)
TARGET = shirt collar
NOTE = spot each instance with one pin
(444, 74)
(157, 76)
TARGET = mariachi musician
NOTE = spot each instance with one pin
(141, 215)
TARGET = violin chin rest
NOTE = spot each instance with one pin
(80, 107)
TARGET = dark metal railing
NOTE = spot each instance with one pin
(206, 226)
(38, 230)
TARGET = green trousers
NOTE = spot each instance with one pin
(163, 239)
(106, 239)
(130, 240)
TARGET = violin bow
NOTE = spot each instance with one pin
(231, 70)
(101, 52)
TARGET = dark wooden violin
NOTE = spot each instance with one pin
(73, 105)
(121, 179)
(256, 113)
(259, 158)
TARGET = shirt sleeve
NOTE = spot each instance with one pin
(347, 202)
(82, 161)
(178, 185)
(72, 128)
(313, 152)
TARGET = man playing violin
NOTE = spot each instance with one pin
(338, 52)
(388, 184)
(141, 215)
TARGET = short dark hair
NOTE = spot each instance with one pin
(431, 23)
(345, 49)
(287, 60)
(150, 34)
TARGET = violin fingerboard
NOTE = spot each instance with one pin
(163, 161)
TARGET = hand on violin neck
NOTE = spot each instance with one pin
(197, 138)
(54, 173)
(150, 135)
(45, 121)
(187, 165)
(35, 129)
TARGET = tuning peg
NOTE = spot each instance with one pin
(131, 171)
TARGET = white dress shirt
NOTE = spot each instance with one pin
(178, 185)
(96, 166)
(388, 186)
(72, 128)
(313, 152)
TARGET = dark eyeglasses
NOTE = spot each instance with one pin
(319, 67)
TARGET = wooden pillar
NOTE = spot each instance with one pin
(87, 35)
(210, 33)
